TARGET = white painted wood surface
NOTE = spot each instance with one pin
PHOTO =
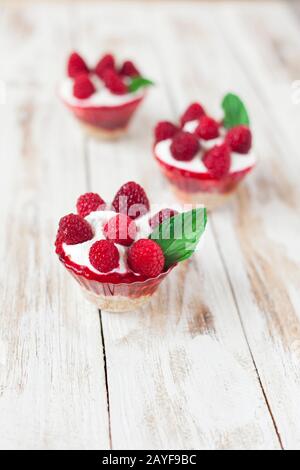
(213, 361)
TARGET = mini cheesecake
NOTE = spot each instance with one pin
(120, 252)
(203, 159)
(103, 98)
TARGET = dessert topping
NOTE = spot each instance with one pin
(193, 112)
(160, 216)
(146, 257)
(217, 161)
(131, 200)
(74, 229)
(106, 62)
(76, 65)
(83, 87)
(165, 130)
(120, 229)
(239, 139)
(207, 128)
(184, 146)
(89, 202)
(104, 256)
(178, 236)
(129, 69)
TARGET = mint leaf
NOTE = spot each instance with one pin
(139, 82)
(235, 112)
(179, 235)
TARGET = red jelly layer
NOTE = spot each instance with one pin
(108, 118)
(111, 282)
(193, 182)
(126, 289)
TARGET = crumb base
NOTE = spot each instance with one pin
(103, 134)
(211, 201)
(115, 303)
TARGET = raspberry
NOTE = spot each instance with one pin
(58, 243)
(74, 229)
(114, 83)
(217, 161)
(162, 215)
(120, 229)
(83, 87)
(89, 202)
(207, 128)
(131, 200)
(184, 146)
(104, 256)
(76, 65)
(129, 69)
(239, 139)
(146, 257)
(106, 62)
(194, 111)
(164, 130)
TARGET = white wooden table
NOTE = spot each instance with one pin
(214, 361)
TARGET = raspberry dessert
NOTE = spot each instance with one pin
(120, 252)
(103, 97)
(205, 159)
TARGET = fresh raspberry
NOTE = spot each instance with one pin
(120, 229)
(106, 62)
(207, 128)
(239, 139)
(58, 243)
(129, 69)
(131, 200)
(193, 112)
(164, 130)
(83, 87)
(184, 146)
(89, 202)
(74, 229)
(104, 256)
(114, 83)
(217, 161)
(76, 65)
(161, 216)
(146, 257)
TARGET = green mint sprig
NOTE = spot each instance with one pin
(139, 82)
(235, 112)
(179, 235)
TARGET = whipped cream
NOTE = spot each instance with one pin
(102, 96)
(239, 162)
(79, 254)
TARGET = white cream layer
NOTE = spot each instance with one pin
(102, 96)
(239, 162)
(79, 253)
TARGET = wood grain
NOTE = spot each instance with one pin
(257, 235)
(167, 360)
(52, 392)
(213, 361)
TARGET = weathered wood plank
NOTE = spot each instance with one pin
(180, 373)
(257, 234)
(52, 383)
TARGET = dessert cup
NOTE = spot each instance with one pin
(105, 122)
(120, 261)
(111, 296)
(205, 159)
(200, 188)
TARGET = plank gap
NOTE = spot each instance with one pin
(106, 380)
(245, 333)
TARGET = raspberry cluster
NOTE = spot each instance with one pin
(144, 256)
(113, 77)
(185, 145)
